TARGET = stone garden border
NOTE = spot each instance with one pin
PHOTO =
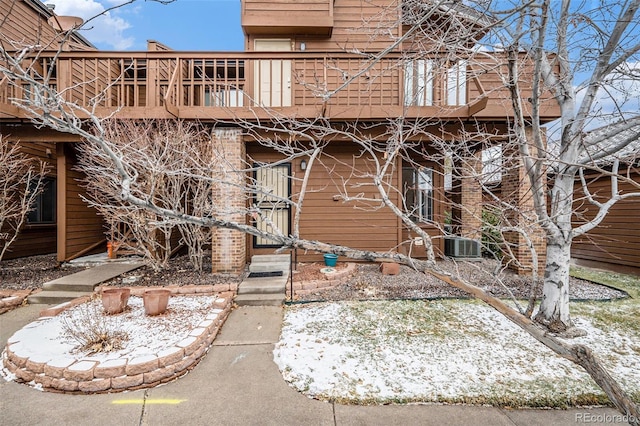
(116, 375)
(301, 288)
(11, 299)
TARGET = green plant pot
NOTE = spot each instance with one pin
(330, 259)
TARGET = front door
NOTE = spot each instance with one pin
(272, 77)
(275, 189)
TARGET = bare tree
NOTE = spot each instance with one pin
(21, 180)
(170, 160)
(595, 48)
(519, 37)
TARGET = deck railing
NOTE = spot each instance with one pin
(194, 84)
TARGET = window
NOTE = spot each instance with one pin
(418, 83)
(223, 97)
(44, 207)
(418, 192)
(457, 84)
(36, 93)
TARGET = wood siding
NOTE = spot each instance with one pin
(617, 239)
(353, 26)
(287, 16)
(20, 22)
(326, 217)
(79, 226)
(36, 238)
(24, 22)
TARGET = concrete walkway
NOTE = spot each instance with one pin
(81, 283)
(237, 383)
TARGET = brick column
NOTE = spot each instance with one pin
(228, 247)
(471, 196)
(516, 191)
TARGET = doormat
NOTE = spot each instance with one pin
(265, 274)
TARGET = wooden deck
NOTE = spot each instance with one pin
(255, 85)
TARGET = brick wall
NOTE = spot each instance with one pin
(228, 248)
(516, 190)
(471, 196)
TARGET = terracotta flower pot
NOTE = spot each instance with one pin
(155, 301)
(114, 300)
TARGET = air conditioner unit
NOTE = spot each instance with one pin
(462, 247)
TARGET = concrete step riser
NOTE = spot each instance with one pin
(52, 299)
(268, 267)
(260, 302)
(244, 289)
(270, 258)
(52, 286)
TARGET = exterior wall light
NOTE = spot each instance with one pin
(303, 165)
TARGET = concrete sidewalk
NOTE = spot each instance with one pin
(237, 383)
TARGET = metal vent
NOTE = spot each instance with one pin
(461, 247)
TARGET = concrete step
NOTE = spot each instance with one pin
(55, 297)
(269, 267)
(80, 283)
(270, 258)
(260, 299)
(263, 285)
(97, 274)
(61, 286)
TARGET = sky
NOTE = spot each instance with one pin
(212, 25)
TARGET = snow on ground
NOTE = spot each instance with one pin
(46, 340)
(448, 351)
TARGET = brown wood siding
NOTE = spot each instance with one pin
(352, 27)
(38, 238)
(346, 223)
(289, 16)
(617, 239)
(22, 23)
(491, 73)
(84, 227)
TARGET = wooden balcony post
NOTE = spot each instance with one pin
(65, 77)
(152, 82)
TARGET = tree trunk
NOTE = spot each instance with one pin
(578, 354)
(554, 307)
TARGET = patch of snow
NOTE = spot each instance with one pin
(46, 339)
(372, 351)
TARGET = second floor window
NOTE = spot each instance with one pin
(417, 186)
(418, 82)
(457, 84)
(426, 78)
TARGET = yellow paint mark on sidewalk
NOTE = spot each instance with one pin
(149, 401)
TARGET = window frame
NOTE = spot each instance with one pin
(48, 190)
(419, 82)
(421, 206)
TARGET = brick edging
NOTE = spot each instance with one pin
(301, 288)
(9, 300)
(117, 375)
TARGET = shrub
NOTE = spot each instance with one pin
(492, 240)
